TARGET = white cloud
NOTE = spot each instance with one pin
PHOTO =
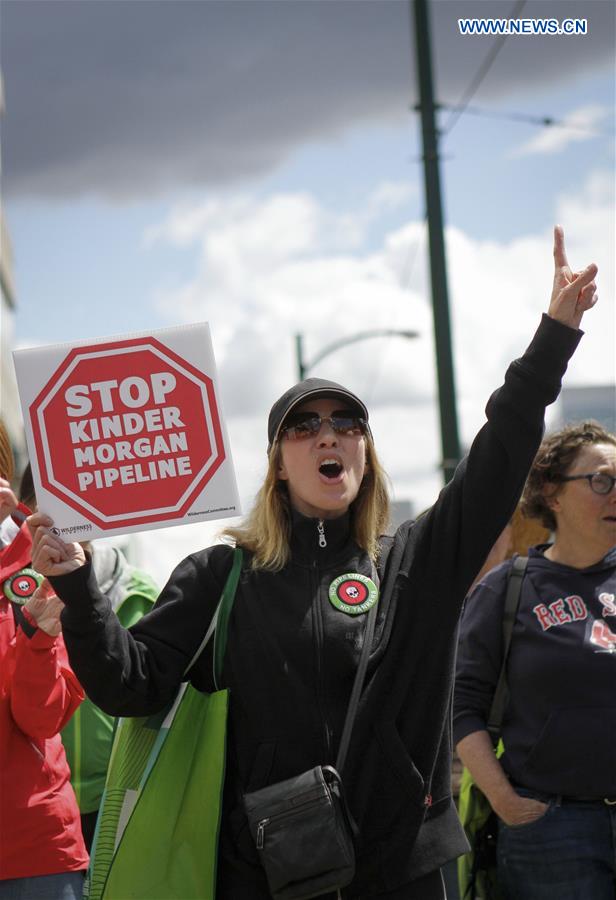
(579, 125)
(271, 268)
(390, 195)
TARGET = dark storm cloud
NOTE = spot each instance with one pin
(124, 98)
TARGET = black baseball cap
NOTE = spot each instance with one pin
(310, 389)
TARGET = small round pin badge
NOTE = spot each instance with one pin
(353, 593)
(20, 586)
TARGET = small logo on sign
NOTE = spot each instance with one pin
(21, 586)
(353, 593)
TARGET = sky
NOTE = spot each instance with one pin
(257, 165)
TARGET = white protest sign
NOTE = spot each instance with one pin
(126, 433)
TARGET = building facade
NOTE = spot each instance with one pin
(589, 402)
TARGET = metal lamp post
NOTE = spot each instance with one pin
(304, 367)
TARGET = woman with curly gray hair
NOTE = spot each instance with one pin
(554, 788)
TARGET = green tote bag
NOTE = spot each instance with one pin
(157, 831)
(477, 878)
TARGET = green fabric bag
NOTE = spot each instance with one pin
(157, 831)
(477, 878)
(88, 736)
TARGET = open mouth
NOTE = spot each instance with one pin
(330, 468)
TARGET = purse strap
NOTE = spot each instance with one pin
(358, 684)
(219, 626)
(512, 601)
(225, 606)
(221, 615)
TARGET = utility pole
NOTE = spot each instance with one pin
(299, 355)
(450, 443)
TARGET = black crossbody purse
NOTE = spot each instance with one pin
(302, 828)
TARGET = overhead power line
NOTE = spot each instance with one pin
(483, 70)
(544, 121)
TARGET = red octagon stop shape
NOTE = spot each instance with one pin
(127, 433)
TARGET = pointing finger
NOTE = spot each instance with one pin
(560, 256)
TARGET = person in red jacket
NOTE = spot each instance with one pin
(42, 854)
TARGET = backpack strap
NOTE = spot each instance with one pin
(512, 601)
(221, 614)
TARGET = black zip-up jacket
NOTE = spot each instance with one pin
(291, 656)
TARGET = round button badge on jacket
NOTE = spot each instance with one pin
(21, 586)
(353, 593)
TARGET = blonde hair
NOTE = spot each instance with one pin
(266, 531)
(7, 462)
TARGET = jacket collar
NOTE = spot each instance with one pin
(319, 540)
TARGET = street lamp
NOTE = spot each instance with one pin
(304, 367)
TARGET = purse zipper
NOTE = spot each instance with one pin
(261, 833)
(261, 826)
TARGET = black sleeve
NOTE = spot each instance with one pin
(480, 651)
(455, 536)
(136, 671)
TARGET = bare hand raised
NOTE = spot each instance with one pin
(573, 292)
(50, 554)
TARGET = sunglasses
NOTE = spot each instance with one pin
(600, 482)
(308, 424)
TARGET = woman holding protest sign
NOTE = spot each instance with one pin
(314, 567)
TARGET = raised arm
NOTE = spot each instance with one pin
(472, 510)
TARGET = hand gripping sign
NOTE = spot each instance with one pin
(125, 434)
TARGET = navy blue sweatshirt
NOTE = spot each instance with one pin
(559, 726)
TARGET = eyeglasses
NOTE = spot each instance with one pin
(308, 424)
(600, 482)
